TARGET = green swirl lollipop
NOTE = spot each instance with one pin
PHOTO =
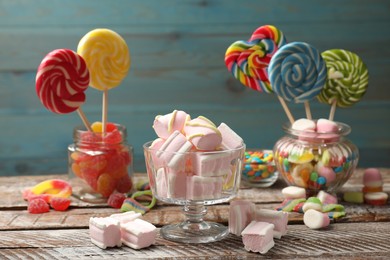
(347, 79)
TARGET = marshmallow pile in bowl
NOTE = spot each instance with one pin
(193, 159)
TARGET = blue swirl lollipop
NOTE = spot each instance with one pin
(297, 73)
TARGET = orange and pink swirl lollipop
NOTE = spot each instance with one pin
(62, 77)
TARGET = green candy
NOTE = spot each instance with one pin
(347, 78)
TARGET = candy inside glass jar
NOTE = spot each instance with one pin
(259, 168)
(316, 160)
(100, 163)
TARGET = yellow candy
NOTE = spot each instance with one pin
(55, 187)
(107, 57)
(97, 127)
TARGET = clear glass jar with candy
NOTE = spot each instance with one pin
(100, 163)
(314, 160)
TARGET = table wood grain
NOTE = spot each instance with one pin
(363, 234)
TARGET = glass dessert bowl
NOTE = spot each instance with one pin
(316, 160)
(194, 180)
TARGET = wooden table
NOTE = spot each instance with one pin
(364, 233)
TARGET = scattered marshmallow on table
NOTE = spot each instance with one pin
(125, 217)
(240, 215)
(138, 234)
(105, 232)
(315, 219)
(278, 218)
(293, 192)
(326, 198)
(258, 237)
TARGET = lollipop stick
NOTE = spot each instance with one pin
(84, 119)
(286, 110)
(104, 110)
(307, 109)
(332, 109)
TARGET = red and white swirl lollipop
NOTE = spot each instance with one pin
(61, 80)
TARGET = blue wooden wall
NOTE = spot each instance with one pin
(177, 49)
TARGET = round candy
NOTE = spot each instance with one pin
(297, 72)
(61, 80)
(107, 57)
(347, 78)
(248, 60)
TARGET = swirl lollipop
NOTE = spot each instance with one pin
(248, 60)
(108, 60)
(347, 79)
(62, 77)
(297, 73)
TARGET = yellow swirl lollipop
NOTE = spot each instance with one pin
(108, 60)
(107, 57)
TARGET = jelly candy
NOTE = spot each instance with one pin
(60, 204)
(37, 206)
(105, 185)
(116, 200)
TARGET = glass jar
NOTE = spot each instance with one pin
(100, 164)
(316, 161)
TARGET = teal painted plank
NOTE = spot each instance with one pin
(70, 13)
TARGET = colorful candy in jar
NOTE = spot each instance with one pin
(103, 161)
(258, 165)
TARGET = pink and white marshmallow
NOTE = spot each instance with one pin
(105, 232)
(230, 139)
(204, 188)
(258, 237)
(315, 219)
(202, 133)
(240, 215)
(138, 234)
(294, 192)
(165, 125)
(126, 217)
(326, 198)
(173, 150)
(372, 178)
(304, 124)
(278, 218)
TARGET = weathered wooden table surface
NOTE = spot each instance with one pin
(364, 233)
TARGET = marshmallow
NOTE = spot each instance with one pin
(203, 188)
(177, 185)
(161, 183)
(126, 217)
(315, 219)
(138, 234)
(326, 198)
(304, 124)
(353, 196)
(173, 149)
(203, 134)
(327, 126)
(165, 125)
(312, 203)
(240, 215)
(230, 139)
(327, 173)
(376, 198)
(211, 164)
(372, 178)
(278, 218)
(293, 192)
(105, 232)
(258, 237)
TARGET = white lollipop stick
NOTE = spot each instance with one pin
(307, 109)
(84, 119)
(286, 110)
(104, 110)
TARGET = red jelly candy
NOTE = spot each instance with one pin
(124, 184)
(105, 185)
(37, 206)
(60, 204)
(113, 137)
(116, 200)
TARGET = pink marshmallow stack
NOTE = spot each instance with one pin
(258, 237)
(122, 228)
(191, 157)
